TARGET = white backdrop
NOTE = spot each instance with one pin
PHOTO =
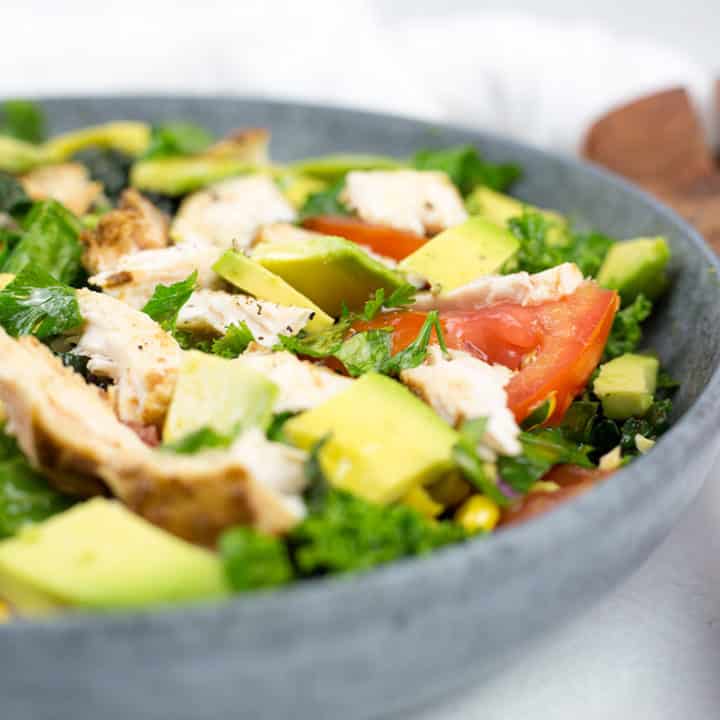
(651, 651)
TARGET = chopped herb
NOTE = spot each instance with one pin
(206, 438)
(466, 168)
(542, 449)
(177, 138)
(34, 303)
(49, 243)
(167, 301)
(234, 342)
(275, 431)
(23, 120)
(318, 345)
(475, 470)
(253, 560)
(25, 495)
(325, 202)
(400, 297)
(626, 332)
(13, 198)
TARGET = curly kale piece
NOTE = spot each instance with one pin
(626, 333)
(109, 167)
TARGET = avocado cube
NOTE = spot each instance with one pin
(499, 208)
(334, 167)
(462, 253)
(329, 270)
(626, 385)
(128, 137)
(636, 266)
(253, 278)
(215, 392)
(98, 555)
(382, 439)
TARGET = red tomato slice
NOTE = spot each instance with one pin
(572, 479)
(554, 347)
(382, 239)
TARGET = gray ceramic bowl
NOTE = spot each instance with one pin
(397, 637)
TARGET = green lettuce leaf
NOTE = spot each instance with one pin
(167, 301)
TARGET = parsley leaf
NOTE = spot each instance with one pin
(318, 345)
(414, 354)
(234, 342)
(400, 297)
(466, 168)
(50, 242)
(472, 466)
(542, 449)
(25, 495)
(325, 202)
(253, 560)
(366, 352)
(167, 301)
(626, 332)
(34, 303)
(23, 120)
(177, 138)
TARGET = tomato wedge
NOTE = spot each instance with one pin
(572, 479)
(382, 239)
(554, 347)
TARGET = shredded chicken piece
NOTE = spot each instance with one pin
(135, 225)
(129, 347)
(229, 213)
(422, 201)
(518, 288)
(212, 312)
(302, 384)
(68, 183)
(248, 144)
(69, 432)
(135, 277)
(462, 387)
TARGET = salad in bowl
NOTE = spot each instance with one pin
(219, 373)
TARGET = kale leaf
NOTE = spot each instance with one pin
(253, 560)
(13, 198)
(538, 252)
(25, 496)
(325, 202)
(23, 120)
(466, 168)
(177, 138)
(49, 243)
(626, 333)
(167, 301)
(109, 167)
(34, 303)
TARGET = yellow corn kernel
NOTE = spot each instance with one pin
(478, 513)
(419, 499)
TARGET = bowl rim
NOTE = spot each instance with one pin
(592, 510)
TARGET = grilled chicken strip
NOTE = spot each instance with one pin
(212, 312)
(229, 213)
(421, 201)
(68, 431)
(68, 183)
(302, 384)
(135, 277)
(130, 348)
(135, 225)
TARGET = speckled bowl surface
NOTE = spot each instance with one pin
(395, 638)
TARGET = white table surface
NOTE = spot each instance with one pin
(651, 649)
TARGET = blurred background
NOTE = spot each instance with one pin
(537, 70)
